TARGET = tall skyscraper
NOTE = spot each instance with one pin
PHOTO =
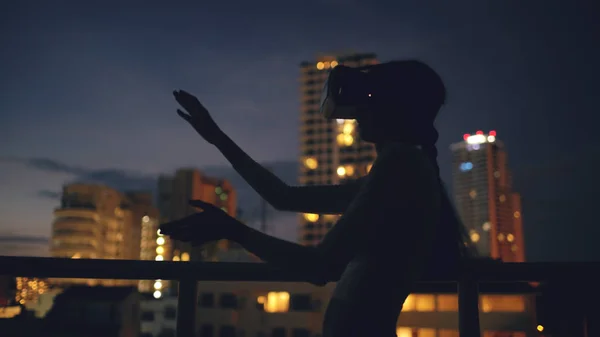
(98, 222)
(330, 151)
(488, 207)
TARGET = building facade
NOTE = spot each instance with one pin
(297, 310)
(484, 198)
(98, 222)
(331, 151)
(175, 192)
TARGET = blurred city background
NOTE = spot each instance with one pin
(93, 157)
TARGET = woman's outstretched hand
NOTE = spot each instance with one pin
(212, 224)
(198, 117)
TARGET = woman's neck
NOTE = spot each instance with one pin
(380, 146)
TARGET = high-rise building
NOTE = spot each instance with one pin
(175, 192)
(488, 207)
(98, 222)
(331, 151)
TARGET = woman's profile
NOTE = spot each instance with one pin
(397, 221)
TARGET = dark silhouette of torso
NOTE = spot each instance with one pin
(397, 212)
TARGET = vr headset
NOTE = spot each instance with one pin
(351, 91)
(346, 92)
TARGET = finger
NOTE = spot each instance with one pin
(183, 92)
(173, 226)
(183, 115)
(201, 204)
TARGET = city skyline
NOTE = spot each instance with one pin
(87, 101)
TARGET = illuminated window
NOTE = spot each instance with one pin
(349, 170)
(345, 139)
(160, 241)
(369, 167)
(176, 258)
(466, 166)
(160, 250)
(223, 196)
(404, 332)
(486, 226)
(330, 217)
(501, 237)
(218, 190)
(502, 303)
(447, 303)
(425, 303)
(341, 171)
(348, 128)
(424, 332)
(502, 198)
(185, 256)
(448, 333)
(409, 303)
(476, 139)
(311, 217)
(320, 65)
(514, 248)
(517, 214)
(473, 194)
(510, 237)
(275, 302)
(311, 163)
(334, 64)
(159, 258)
(474, 236)
(145, 218)
(348, 140)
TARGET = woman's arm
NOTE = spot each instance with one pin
(325, 199)
(366, 226)
(320, 199)
(307, 261)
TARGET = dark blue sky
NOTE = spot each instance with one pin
(87, 86)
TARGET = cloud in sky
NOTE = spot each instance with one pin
(282, 224)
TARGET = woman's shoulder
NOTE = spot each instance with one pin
(407, 165)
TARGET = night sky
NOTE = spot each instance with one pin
(85, 94)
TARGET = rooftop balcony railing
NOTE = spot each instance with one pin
(466, 281)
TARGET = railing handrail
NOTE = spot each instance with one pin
(468, 278)
(47, 267)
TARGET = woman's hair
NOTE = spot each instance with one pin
(413, 95)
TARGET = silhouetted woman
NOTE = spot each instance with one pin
(397, 221)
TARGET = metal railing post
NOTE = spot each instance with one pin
(468, 307)
(186, 307)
